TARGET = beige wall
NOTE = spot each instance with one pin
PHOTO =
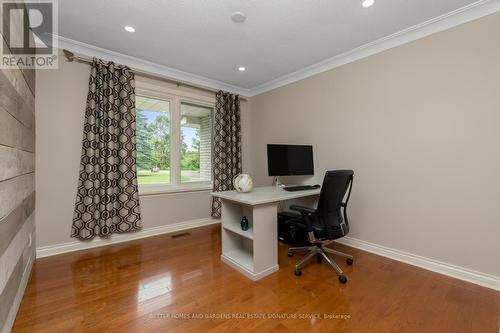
(420, 126)
(61, 96)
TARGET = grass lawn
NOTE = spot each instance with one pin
(148, 177)
(161, 177)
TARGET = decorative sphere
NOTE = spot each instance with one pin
(243, 183)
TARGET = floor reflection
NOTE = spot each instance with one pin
(154, 286)
(191, 275)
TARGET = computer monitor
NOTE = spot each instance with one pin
(290, 160)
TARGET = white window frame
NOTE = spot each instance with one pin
(175, 97)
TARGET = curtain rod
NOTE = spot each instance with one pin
(70, 57)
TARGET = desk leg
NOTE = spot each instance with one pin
(253, 252)
(265, 243)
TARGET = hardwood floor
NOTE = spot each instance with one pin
(135, 286)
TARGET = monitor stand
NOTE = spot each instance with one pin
(277, 182)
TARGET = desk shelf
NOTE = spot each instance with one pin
(242, 257)
(236, 228)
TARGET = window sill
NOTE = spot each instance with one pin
(149, 190)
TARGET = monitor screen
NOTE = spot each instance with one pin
(290, 160)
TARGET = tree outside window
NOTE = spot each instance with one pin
(153, 141)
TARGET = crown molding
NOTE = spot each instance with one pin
(147, 66)
(446, 21)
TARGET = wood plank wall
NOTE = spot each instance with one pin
(17, 188)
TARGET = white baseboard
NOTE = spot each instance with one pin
(249, 274)
(483, 279)
(51, 250)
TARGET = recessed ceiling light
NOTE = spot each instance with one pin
(129, 28)
(238, 17)
(368, 3)
(242, 69)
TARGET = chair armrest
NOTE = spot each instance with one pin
(304, 210)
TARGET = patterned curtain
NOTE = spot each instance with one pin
(107, 200)
(227, 145)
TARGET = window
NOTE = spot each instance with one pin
(174, 141)
(153, 140)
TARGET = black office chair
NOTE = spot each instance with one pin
(326, 223)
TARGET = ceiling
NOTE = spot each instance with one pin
(279, 37)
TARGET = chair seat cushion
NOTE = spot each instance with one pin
(320, 231)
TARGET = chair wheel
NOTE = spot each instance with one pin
(290, 254)
(349, 261)
(319, 258)
(298, 272)
(342, 279)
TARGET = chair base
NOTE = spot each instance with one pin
(319, 250)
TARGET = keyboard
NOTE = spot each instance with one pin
(301, 188)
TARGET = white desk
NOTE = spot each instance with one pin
(253, 252)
